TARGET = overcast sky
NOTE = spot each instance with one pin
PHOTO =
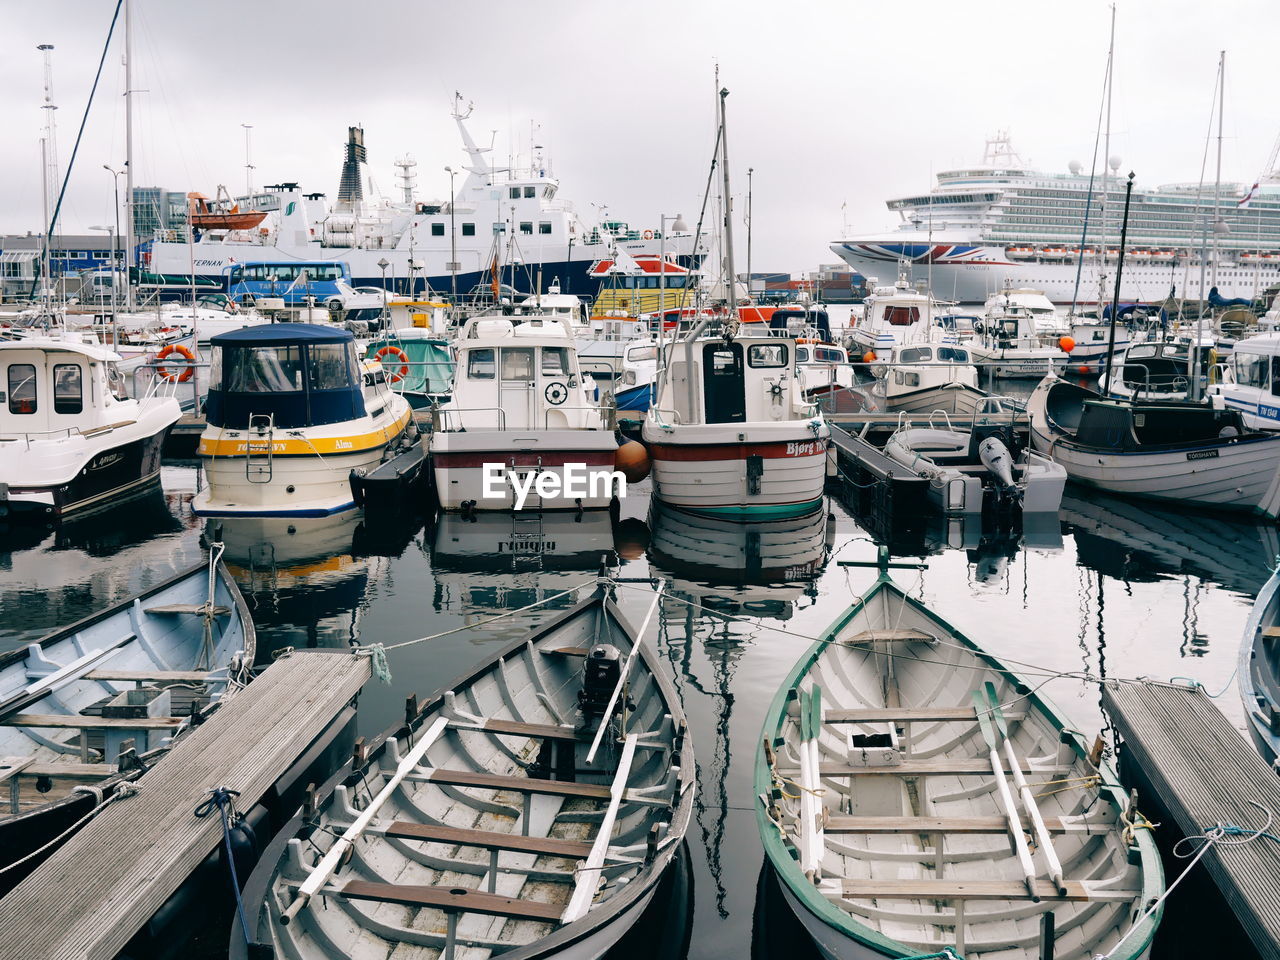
(831, 102)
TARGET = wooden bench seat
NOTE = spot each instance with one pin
(192, 608)
(141, 676)
(453, 900)
(565, 651)
(489, 840)
(493, 781)
(76, 721)
(538, 731)
(887, 636)
(977, 890)
(908, 714)
(919, 768)
(951, 825)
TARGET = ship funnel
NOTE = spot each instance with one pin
(350, 189)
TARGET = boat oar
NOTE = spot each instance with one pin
(1028, 800)
(1006, 798)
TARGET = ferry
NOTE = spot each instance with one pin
(1001, 224)
(410, 245)
(291, 413)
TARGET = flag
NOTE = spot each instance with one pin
(1244, 202)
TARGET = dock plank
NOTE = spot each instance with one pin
(94, 893)
(1205, 772)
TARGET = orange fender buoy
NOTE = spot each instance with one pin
(632, 460)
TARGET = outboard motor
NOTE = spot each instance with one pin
(599, 677)
(995, 457)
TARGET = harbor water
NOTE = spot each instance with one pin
(1114, 589)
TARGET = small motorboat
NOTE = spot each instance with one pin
(925, 377)
(530, 810)
(92, 705)
(894, 800)
(984, 468)
(1259, 672)
(1189, 453)
(221, 214)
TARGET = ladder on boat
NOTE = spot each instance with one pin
(258, 448)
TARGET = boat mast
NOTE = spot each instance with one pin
(728, 215)
(1115, 301)
(48, 174)
(1106, 166)
(1217, 176)
(128, 157)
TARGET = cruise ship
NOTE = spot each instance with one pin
(1000, 225)
(513, 216)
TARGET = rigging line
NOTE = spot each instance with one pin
(1088, 202)
(80, 134)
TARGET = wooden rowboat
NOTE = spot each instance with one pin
(90, 706)
(1259, 672)
(529, 811)
(905, 810)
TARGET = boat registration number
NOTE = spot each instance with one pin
(1202, 454)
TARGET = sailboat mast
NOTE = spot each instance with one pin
(129, 239)
(728, 209)
(1106, 163)
(1217, 176)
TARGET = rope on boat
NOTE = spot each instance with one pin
(123, 789)
(377, 654)
(1220, 834)
(224, 801)
(1067, 783)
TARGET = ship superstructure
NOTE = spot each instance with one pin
(1002, 224)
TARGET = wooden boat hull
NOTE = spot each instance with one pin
(1258, 672)
(866, 881)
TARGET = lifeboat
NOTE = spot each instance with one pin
(221, 215)
(1019, 253)
(1249, 255)
(1163, 254)
(1141, 254)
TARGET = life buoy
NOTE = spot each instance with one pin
(394, 351)
(172, 376)
(648, 234)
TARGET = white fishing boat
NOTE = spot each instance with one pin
(71, 438)
(521, 417)
(1189, 453)
(1249, 381)
(1161, 369)
(901, 774)
(1022, 335)
(924, 378)
(528, 811)
(983, 468)
(893, 316)
(822, 367)
(291, 413)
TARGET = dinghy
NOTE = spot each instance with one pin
(1259, 672)
(914, 795)
(529, 810)
(1168, 451)
(90, 706)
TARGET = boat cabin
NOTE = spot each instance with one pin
(299, 374)
(49, 386)
(801, 321)
(746, 379)
(1117, 425)
(1159, 367)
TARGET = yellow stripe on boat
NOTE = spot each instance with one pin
(291, 446)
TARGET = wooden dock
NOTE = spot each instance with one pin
(90, 897)
(879, 485)
(1183, 753)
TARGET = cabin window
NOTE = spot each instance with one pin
(901, 316)
(802, 354)
(829, 356)
(262, 369)
(22, 388)
(468, 229)
(952, 354)
(437, 229)
(68, 392)
(1251, 370)
(530, 191)
(526, 227)
(514, 193)
(636, 354)
(331, 366)
(544, 227)
(555, 362)
(517, 363)
(915, 355)
(767, 355)
(480, 364)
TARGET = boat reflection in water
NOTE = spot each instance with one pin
(301, 577)
(1142, 541)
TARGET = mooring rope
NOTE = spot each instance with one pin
(223, 800)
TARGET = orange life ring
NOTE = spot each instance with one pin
(391, 350)
(173, 376)
(648, 234)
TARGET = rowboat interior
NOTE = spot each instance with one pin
(894, 767)
(486, 826)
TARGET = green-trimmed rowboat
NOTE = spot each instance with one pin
(890, 831)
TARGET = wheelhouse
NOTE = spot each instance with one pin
(50, 386)
(299, 374)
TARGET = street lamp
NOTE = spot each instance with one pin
(382, 265)
(453, 239)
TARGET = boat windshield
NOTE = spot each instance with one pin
(915, 355)
(953, 354)
(258, 369)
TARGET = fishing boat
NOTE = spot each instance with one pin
(90, 706)
(529, 810)
(731, 434)
(634, 391)
(291, 412)
(893, 315)
(982, 469)
(1184, 452)
(71, 438)
(895, 757)
(521, 413)
(924, 378)
(1258, 672)
(1022, 335)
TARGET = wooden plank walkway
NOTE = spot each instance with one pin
(93, 894)
(1204, 771)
